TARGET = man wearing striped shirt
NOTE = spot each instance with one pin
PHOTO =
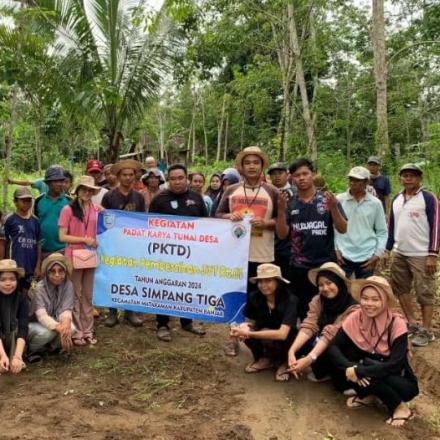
(414, 238)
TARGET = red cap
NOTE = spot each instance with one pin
(94, 165)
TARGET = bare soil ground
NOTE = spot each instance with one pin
(131, 386)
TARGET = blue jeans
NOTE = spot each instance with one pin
(351, 267)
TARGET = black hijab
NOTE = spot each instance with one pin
(334, 307)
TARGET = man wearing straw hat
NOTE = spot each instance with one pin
(256, 199)
(124, 198)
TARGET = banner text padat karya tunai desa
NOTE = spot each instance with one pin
(187, 267)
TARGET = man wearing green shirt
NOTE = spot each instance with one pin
(48, 207)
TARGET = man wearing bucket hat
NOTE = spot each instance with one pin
(41, 186)
(380, 183)
(47, 208)
(124, 198)
(151, 163)
(152, 181)
(359, 250)
(256, 199)
(414, 239)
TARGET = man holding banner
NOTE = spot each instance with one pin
(257, 200)
(124, 198)
(178, 199)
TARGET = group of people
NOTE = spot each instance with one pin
(313, 300)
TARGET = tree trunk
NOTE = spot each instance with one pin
(307, 114)
(161, 134)
(38, 145)
(225, 152)
(10, 136)
(205, 133)
(220, 129)
(380, 77)
(114, 146)
(286, 63)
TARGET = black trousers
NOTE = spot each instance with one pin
(392, 390)
(9, 343)
(283, 261)
(302, 288)
(322, 366)
(276, 351)
(163, 320)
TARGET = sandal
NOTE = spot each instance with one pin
(282, 374)
(231, 348)
(91, 340)
(80, 342)
(254, 368)
(357, 402)
(410, 416)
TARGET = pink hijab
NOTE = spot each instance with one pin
(373, 334)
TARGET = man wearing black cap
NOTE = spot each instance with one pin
(47, 208)
(380, 183)
(414, 238)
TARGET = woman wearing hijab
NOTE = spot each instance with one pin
(13, 318)
(228, 177)
(327, 310)
(51, 308)
(78, 225)
(197, 183)
(370, 352)
(271, 327)
(215, 184)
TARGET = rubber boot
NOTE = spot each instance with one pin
(133, 320)
(112, 318)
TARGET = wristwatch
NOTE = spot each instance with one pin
(313, 357)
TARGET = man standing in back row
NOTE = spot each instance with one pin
(414, 231)
(258, 200)
(124, 198)
(380, 183)
(359, 250)
(178, 199)
(308, 220)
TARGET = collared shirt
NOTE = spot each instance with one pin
(367, 231)
(414, 228)
(189, 204)
(48, 211)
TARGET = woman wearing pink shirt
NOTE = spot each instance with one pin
(77, 225)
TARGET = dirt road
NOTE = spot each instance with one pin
(130, 386)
